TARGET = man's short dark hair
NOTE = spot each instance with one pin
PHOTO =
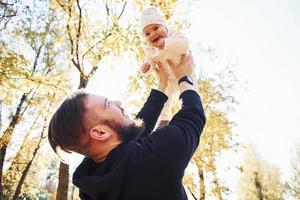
(66, 125)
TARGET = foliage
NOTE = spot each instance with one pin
(259, 180)
(293, 184)
(32, 76)
(13, 70)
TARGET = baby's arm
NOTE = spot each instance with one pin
(149, 64)
(145, 68)
(176, 43)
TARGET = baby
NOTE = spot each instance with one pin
(163, 44)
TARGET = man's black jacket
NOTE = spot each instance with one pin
(151, 168)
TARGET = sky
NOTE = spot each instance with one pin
(263, 37)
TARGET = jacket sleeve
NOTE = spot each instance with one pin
(151, 110)
(173, 146)
(176, 43)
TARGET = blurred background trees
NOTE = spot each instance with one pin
(259, 180)
(48, 49)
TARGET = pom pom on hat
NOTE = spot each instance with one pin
(151, 16)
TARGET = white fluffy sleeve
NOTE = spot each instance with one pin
(176, 43)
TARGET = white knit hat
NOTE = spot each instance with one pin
(151, 16)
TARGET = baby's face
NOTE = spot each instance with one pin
(155, 35)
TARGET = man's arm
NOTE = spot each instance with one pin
(172, 146)
(155, 102)
(151, 110)
(187, 124)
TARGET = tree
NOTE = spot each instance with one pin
(293, 185)
(19, 169)
(217, 135)
(259, 180)
(31, 81)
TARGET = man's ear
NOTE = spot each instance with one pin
(100, 132)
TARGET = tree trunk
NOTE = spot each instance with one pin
(83, 81)
(22, 179)
(26, 170)
(0, 116)
(258, 186)
(2, 156)
(202, 185)
(6, 137)
(192, 193)
(63, 182)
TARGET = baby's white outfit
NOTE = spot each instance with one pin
(176, 44)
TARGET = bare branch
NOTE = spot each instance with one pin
(61, 5)
(5, 4)
(76, 65)
(45, 124)
(107, 9)
(78, 32)
(8, 15)
(92, 72)
(107, 14)
(38, 53)
(29, 93)
(69, 29)
(97, 43)
(122, 9)
(7, 134)
(192, 193)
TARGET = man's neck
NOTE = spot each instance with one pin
(100, 157)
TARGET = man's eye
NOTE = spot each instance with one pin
(156, 27)
(146, 34)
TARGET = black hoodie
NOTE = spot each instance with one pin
(152, 167)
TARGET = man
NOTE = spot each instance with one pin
(125, 161)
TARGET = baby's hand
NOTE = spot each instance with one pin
(145, 68)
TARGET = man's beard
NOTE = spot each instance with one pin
(130, 132)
